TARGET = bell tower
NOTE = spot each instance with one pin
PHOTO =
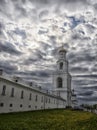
(62, 78)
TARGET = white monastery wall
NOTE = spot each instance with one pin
(25, 98)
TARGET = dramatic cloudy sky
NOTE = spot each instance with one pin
(31, 31)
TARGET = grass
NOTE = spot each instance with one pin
(49, 120)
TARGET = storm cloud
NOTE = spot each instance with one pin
(9, 48)
(32, 31)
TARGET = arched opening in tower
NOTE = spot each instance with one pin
(59, 82)
(61, 65)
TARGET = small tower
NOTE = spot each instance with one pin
(62, 78)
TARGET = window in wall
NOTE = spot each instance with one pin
(61, 65)
(3, 90)
(22, 94)
(35, 107)
(16, 80)
(46, 99)
(12, 92)
(1, 71)
(30, 96)
(11, 105)
(49, 100)
(59, 82)
(54, 101)
(36, 98)
(1, 104)
(31, 84)
(42, 99)
(29, 106)
(21, 105)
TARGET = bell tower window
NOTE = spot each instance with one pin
(61, 65)
(59, 82)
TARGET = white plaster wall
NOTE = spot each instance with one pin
(27, 105)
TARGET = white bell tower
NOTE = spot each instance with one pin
(62, 78)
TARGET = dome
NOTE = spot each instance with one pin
(62, 50)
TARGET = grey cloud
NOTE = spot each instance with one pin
(71, 55)
(40, 1)
(19, 32)
(2, 27)
(94, 98)
(22, 11)
(66, 46)
(85, 55)
(62, 29)
(35, 57)
(79, 69)
(77, 82)
(90, 27)
(44, 45)
(43, 13)
(52, 39)
(94, 69)
(84, 1)
(83, 31)
(87, 93)
(75, 21)
(5, 8)
(20, 8)
(9, 48)
(2, 3)
(84, 84)
(43, 74)
(93, 88)
(8, 67)
(95, 6)
(70, 5)
(40, 54)
(42, 31)
(29, 61)
(87, 76)
(60, 1)
(39, 73)
(78, 36)
(54, 52)
(12, 9)
(45, 50)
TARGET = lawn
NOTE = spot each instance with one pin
(49, 120)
